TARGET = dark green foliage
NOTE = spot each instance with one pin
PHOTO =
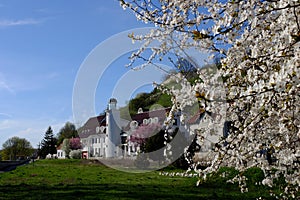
(230, 172)
(220, 178)
(280, 182)
(142, 100)
(164, 100)
(254, 175)
(155, 143)
(16, 148)
(67, 132)
(145, 101)
(48, 145)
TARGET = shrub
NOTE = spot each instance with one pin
(75, 154)
(229, 172)
(220, 178)
(254, 175)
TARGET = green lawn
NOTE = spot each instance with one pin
(76, 179)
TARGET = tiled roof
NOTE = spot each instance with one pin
(161, 114)
(91, 125)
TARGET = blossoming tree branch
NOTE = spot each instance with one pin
(258, 42)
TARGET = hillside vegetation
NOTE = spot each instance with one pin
(157, 99)
(147, 101)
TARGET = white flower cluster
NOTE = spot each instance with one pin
(178, 174)
(242, 182)
(259, 43)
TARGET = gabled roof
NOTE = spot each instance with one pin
(94, 123)
(161, 114)
(139, 117)
(59, 147)
(90, 127)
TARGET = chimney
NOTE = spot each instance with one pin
(112, 104)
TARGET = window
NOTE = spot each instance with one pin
(145, 121)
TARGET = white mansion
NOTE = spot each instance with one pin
(108, 135)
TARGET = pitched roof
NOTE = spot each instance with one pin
(91, 126)
(161, 114)
(139, 117)
(59, 147)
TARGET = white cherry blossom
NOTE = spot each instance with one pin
(259, 43)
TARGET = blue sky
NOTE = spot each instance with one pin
(42, 46)
(45, 48)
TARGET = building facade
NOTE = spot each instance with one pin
(101, 135)
(110, 136)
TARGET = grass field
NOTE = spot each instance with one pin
(77, 179)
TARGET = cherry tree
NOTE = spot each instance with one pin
(75, 143)
(258, 42)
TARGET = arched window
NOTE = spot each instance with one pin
(133, 125)
(145, 121)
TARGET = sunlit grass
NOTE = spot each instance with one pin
(76, 179)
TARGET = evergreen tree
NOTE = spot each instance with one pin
(48, 145)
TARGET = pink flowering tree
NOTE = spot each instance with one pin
(140, 135)
(75, 143)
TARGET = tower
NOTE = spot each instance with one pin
(113, 130)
